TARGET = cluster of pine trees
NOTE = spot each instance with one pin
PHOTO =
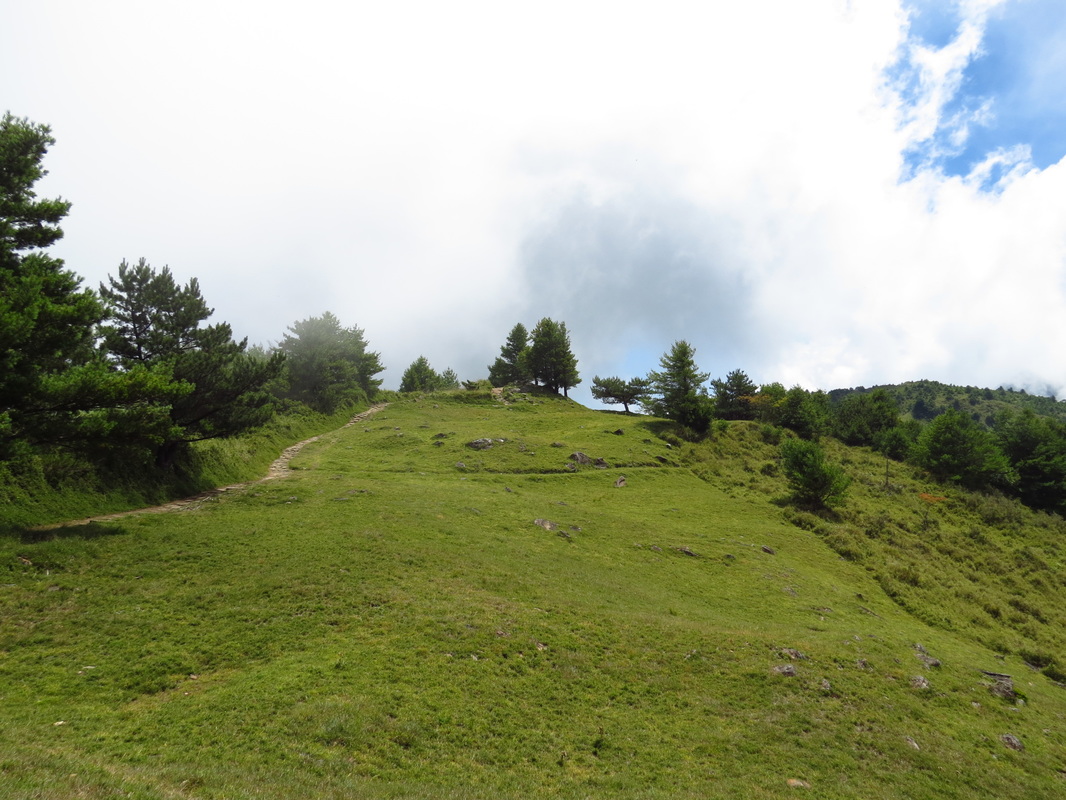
(421, 377)
(134, 372)
(543, 358)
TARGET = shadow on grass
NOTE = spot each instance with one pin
(796, 510)
(84, 531)
(657, 427)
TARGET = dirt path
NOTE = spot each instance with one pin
(278, 469)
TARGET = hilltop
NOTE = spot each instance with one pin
(451, 600)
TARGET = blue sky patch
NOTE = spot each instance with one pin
(934, 23)
(1012, 93)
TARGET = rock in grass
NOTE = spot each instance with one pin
(480, 444)
(1012, 741)
(919, 682)
(580, 458)
(1002, 685)
(1004, 690)
(620, 482)
(925, 658)
(787, 670)
(796, 783)
(547, 524)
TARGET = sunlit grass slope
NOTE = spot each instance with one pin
(408, 616)
(58, 487)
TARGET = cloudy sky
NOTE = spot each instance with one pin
(830, 192)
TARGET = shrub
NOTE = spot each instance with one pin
(1054, 672)
(806, 522)
(770, 434)
(813, 480)
(847, 547)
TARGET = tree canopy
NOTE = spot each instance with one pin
(421, 377)
(616, 391)
(155, 324)
(862, 418)
(1036, 449)
(803, 412)
(734, 397)
(677, 389)
(551, 361)
(152, 319)
(815, 482)
(328, 365)
(955, 448)
(512, 364)
(46, 318)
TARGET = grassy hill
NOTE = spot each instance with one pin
(408, 616)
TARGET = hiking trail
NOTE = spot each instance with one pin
(278, 469)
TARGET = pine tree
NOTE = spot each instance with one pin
(862, 417)
(733, 396)
(551, 361)
(677, 391)
(328, 365)
(1036, 448)
(814, 481)
(152, 318)
(448, 379)
(511, 366)
(615, 391)
(156, 325)
(419, 377)
(955, 448)
(46, 318)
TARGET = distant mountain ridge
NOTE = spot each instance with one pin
(925, 399)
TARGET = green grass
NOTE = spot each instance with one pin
(55, 487)
(391, 622)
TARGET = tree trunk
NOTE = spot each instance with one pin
(166, 453)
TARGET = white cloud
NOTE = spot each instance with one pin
(726, 173)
